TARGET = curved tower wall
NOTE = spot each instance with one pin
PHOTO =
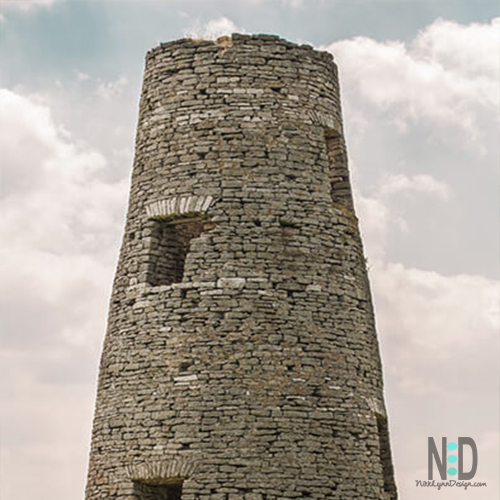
(241, 358)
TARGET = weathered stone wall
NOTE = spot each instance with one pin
(255, 374)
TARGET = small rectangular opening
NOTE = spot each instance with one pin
(340, 186)
(158, 491)
(385, 456)
(170, 243)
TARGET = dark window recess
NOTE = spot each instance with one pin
(170, 242)
(158, 491)
(385, 456)
(338, 175)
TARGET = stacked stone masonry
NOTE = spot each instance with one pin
(241, 360)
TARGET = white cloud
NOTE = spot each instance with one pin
(60, 228)
(440, 78)
(439, 314)
(60, 223)
(47, 175)
(417, 184)
(449, 43)
(26, 5)
(374, 224)
(110, 90)
(377, 215)
(213, 29)
(294, 3)
(59, 219)
(82, 76)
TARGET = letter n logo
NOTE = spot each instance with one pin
(440, 461)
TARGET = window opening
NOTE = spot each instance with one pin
(338, 175)
(171, 491)
(385, 455)
(170, 244)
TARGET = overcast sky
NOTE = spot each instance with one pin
(420, 98)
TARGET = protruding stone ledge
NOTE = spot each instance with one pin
(165, 472)
(233, 283)
(328, 122)
(178, 205)
(376, 407)
(145, 289)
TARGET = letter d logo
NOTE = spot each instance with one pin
(466, 441)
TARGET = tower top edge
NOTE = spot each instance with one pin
(239, 39)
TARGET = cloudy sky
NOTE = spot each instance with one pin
(420, 95)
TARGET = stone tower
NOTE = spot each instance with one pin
(241, 359)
